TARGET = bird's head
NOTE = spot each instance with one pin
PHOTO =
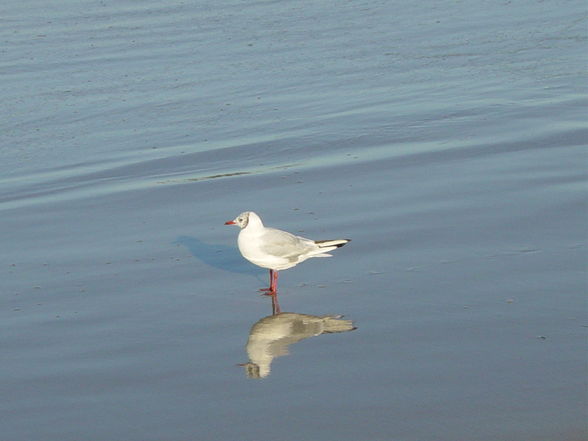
(244, 219)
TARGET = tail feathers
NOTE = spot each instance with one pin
(336, 324)
(337, 243)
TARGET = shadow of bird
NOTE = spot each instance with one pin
(218, 256)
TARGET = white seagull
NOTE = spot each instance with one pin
(276, 249)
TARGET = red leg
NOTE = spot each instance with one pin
(270, 281)
(274, 285)
(273, 288)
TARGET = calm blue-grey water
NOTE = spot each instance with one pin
(447, 139)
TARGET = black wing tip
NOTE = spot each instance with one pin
(339, 245)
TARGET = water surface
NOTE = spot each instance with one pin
(446, 139)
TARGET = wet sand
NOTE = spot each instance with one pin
(446, 140)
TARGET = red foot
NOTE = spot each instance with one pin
(268, 292)
(273, 288)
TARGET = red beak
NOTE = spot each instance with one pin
(230, 223)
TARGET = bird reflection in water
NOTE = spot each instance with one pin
(270, 337)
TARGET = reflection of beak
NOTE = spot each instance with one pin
(251, 370)
(230, 223)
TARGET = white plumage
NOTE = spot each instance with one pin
(276, 249)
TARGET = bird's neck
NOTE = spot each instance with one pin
(254, 224)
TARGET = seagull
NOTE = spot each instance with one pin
(276, 249)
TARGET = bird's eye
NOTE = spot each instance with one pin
(240, 219)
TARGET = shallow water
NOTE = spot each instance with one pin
(446, 139)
